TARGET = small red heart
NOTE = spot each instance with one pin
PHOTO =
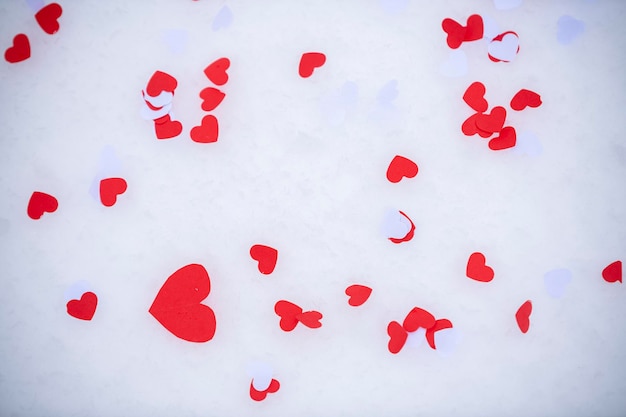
(401, 167)
(505, 140)
(417, 318)
(166, 128)
(85, 308)
(110, 188)
(457, 33)
(474, 96)
(212, 97)
(439, 325)
(266, 257)
(216, 72)
(469, 127)
(20, 49)
(159, 82)
(493, 121)
(177, 305)
(523, 316)
(524, 98)
(474, 28)
(260, 395)
(397, 337)
(41, 203)
(613, 272)
(310, 319)
(477, 269)
(288, 313)
(358, 294)
(309, 61)
(207, 132)
(408, 236)
(47, 17)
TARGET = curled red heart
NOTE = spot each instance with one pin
(525, 98)
(288, 313)
(457, 33)
(159, 82)
(207, 132)
(216, 71)
(522, 316)
(401, 167)
(211, 98)
(265, 256)
(177, 306)
(310, 319)
(19, 51)
(474, 96)
(397, 337)
(260, 395)
(110, 188)
(85, 308)
(41, 203)
(477, 269)
(505, 140)
(613, 272)
(439, 325)
(166, 128)
(358, 294)
(48, 16)
(491, 122)
(418, 317)
(408, 236)
(309, 61)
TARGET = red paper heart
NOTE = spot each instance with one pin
(477, 269)
(397, 337)
(505, 140)
(260, 395)
(207, 132)
(266, 257)
(417, 318)
(439, 325)
(216, 72)
(408, 236)
(469, 127)
(474, 28)
(525, 98)
(493, 121)
(20, 49)
(499, 38)
(110, 188)
(474, 96)
(309, 61)
(310, 319)
(401, 167)
(212, 97)
(159, 82)
(613, 272)
(177, 305)
(47, 17)
(457, 34)
(85, 308)
(166, 128)
(288, 313)
(358, 294)
(523, 316)
(41, 203)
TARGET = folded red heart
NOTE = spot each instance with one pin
(158, 96)
(522, 316)
(291, 314)
(257, 395)
(457, 33)
(358, 294)
(309, 61)
(417, 318)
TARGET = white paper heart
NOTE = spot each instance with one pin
(395, 225)
(161, 100)
(506, 49)
(261, 374)
(455, 65)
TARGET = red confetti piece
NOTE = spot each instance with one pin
(523, 316)
(525, 98)
(408, 236)
(309, 61)
(207, 132)
(477, 268)
(216, 71)
(505, 140)
(85, 308)
(358, 294)
(439, 325)
(260, 395)
(159, 82)
(417, 318)
(48, 16)
(397, 337)
(110, 188)
(491, 122)
(41, 203)
(265, 256)
(166, 128)
(474, 96)
(401, 167)
(457, 33)
(613, 272)
(211, 98)
(291, 314)
(19, 51)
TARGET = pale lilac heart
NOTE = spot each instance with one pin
(569, 29)
(336, 105)
(176, 39)
(222, 19)
(528, 143)
(491, 28)
(507, 4)
(387, 94)
(148, 114)
(395, 225)
(447, 340)
(556, 282)
(261, 374)
(394, 6)
(416, 339)
(506, 49)
(455, 65)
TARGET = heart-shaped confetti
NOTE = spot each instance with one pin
(410, 234)
(358, 294)
(266, 257)
(440, 324)
(528, 143)
(401, 167)
(211, 98)
(505, 140)
(504, 47)
(207, 132)
(469, 127)
(522, 316)
(474, 96)
(493, 121)
(455, 65)
(261, 395)
(457, 33)
(19, 51)
(41, 203)
(160, 82)
(397, 337)
(178, 307)
(216, 71)
(418, 317)
(85, 308)
(166, 128)
(261, 374)
(525, 98)
(157, 103)
(477, 268)
(288, 313)
(309, 62)
(110, 188)
(613, 272)
(310, 319)
(48, 17)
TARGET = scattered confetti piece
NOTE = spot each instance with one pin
(216, 71)
(525, 98)
(457, 33)
(207, 132)
(455, 65)
(505, 140)
(556, 282)
(166, 128)
(477, 268)
(401, 167)
(48, 16)
(160, 82)
(261, 374)
(523, 316)
(110, 188)
(41, 203)
(261, 395)
(19, 51)
(310, 319)
(397, 337)
(507, 4)
(568, 29)
(417, 318)
(440, 324)
(309, 62)
(504, 47)
(409, 235)
(358, 294)
(291, 314)
(474, 96)
(613, 272)
(84, 308)
(177, 305)
(222, 19)
(446, 341)
(266, 257)
(211, 98)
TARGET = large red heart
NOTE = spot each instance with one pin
(266, 257)
(260, 395)
(493, 121)
(177, 305)
(310, 319)
(84, 308)
(457, 33)
(523, 316)
(20, 49)
(159, 82)
(505, 140)
(207, 132)
(397, 337)
(47, 17)
(474, 96)
(216, 71)
(401, 167)
(41, 203)
(110, 188)
(417, 318)
(439, 325)
(211, 98)
(288, 313)
(477, 269)
(309, 61)
(613, 272)
(358, 294)
(166, 128)
(524, 98)
(408, 236)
